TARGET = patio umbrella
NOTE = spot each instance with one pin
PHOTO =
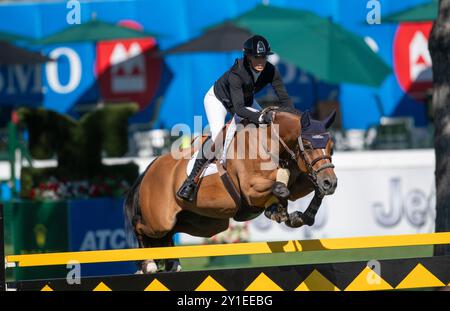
(421, 13)
(93, 30)
(11, 55)
(316, 44)
(6, 36)
(223, 38)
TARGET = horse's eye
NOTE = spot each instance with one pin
(308, 146)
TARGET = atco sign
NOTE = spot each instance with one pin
(412, 60)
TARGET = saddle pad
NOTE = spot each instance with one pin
(211, 169)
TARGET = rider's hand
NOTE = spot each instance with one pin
(265, 118)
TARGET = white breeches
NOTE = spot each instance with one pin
(216, 113)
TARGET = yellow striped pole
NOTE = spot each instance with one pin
(50, 259)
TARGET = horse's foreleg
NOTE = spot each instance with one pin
(276, 209)
(298, 219)
(280, 187)
(270, 195)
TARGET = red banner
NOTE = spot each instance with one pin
(412, 60)
(127, 70)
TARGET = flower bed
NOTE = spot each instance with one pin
(56, 189)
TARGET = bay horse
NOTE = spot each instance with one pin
(155, 213)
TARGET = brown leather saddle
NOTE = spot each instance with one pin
(245, 211)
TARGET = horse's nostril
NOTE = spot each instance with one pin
(327, 184)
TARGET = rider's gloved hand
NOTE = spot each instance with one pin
(265, 118)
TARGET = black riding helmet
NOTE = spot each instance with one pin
(257, 46)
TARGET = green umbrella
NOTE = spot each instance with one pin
(316, 45)
(13, 55)
(93, 30)
(422, 13)
(6, 36)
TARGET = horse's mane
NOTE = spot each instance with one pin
(289, 109)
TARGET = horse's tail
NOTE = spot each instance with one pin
(131, 208)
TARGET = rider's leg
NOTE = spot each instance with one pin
(188, 189)
(216, 113)
(228, 137)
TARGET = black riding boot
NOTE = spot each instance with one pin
(189, 187)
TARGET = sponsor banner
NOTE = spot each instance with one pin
(98, 224)
(412, 60)
(128, 70)
(21, 85)
(70, 79)
(37, 227)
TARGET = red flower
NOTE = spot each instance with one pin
(32, 194)
(94, 191)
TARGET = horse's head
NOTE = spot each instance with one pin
(316, 148)
(308, 142)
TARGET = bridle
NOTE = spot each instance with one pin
(300, 149)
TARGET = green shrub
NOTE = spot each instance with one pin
(77, 145)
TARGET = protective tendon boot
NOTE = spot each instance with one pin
(189, 187)
(279, 188)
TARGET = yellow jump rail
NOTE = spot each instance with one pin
(49, 259)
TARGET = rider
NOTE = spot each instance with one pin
(233, 92)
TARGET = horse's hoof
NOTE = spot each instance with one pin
(295, 220)
(308, 220)
(280, 190)
(277, 212)
(149, 267)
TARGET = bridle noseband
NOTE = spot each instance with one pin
(299, 148)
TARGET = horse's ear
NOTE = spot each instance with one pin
(330, 119)
(305, 119)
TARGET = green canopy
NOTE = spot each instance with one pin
(316, 45)
(421, 13)
(6, 36)
(93, 30)
(13, 55)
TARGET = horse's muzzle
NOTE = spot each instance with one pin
(327, 185)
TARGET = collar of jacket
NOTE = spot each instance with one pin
(242, 63)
